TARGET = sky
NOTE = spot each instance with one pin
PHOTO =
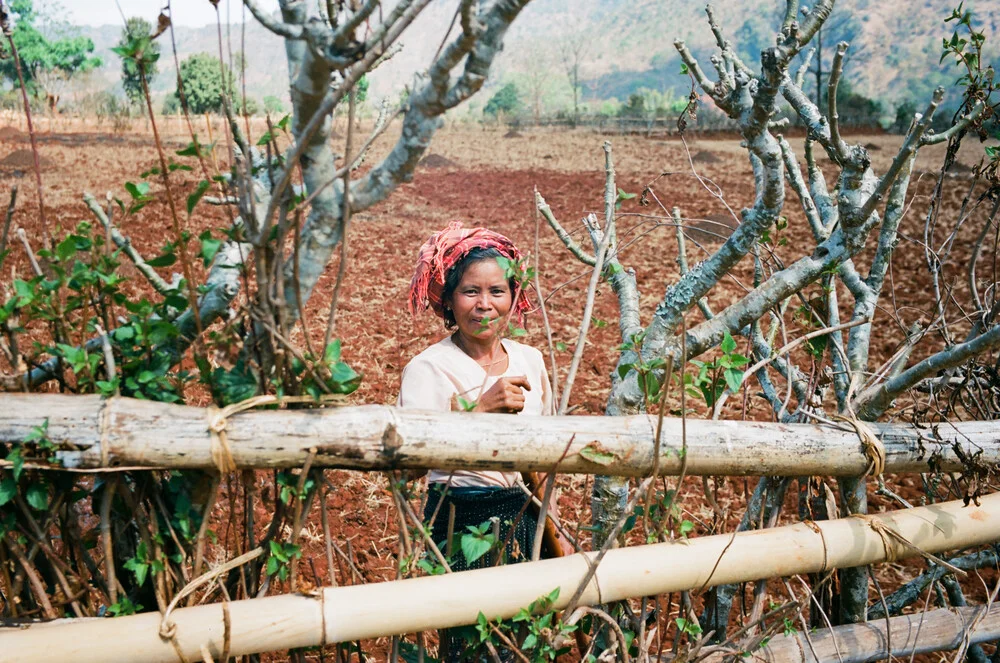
(191, 13)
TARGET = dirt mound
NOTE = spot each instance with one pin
(513, 133)
(705, 157)
(714, 228)
(872, 147)
(437, 161)
(23, 159)
(10, 133)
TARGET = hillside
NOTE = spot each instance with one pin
(628, 44)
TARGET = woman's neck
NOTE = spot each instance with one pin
(484, 350)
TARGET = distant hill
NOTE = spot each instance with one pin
(628, 45)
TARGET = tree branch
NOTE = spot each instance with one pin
(561, 233)
(277, 27)
(125, 245)
(831, 101)
(874, 401)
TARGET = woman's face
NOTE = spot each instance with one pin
(482, 300)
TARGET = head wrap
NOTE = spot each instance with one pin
(443, 251)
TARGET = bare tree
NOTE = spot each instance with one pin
(572, 49)
(536, 77)
(862, 204)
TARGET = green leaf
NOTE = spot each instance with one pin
(164, 260)
(475, 546)
(560, 346)
(137, 191)
(194, 149)
(140, 569)
(265, 138)
(192, 200)
(345, 379)
(597, 454)
(209, 247)
(684, 69)
(234, 385)
(16, 459)
(37, 496)
(25, 292)
(728, 344)
(272, 565)
(283, 122)
(8, 488)
(331, 354)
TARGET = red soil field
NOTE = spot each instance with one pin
(482, 177)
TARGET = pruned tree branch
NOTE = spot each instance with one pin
(872, 402)
(125, 245)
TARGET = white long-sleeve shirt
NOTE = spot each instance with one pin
(435, 376)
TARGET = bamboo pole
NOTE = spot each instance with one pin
(341, 614)
(920, 633)
(94, 433)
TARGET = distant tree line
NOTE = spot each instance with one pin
(47, 65)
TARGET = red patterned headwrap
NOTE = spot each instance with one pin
(442, 251)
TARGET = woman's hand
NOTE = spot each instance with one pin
(506, 395)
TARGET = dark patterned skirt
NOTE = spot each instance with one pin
(474, 507)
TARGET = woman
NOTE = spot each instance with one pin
(460, 278)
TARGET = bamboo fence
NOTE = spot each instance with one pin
(92, 434)
(341, 614)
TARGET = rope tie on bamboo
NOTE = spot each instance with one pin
(168, 629)
(218, 420)
(893, 541)
(872, 447)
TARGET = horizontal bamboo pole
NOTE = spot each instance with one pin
(342, 614)
(132, 433)
(921, 633)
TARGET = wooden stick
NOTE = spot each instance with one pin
(919, 633)
(138, 433)
(420, 604)
(8, 218)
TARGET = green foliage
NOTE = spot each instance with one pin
(478, 541)
(713, 378)
(539, 628)
(856, 109)
(904, 116)
(139, 55)
(248, 105)
(124, 607)
(289, 482)
(83, 288)
(688, 627)
(361, 91)
(141, 564)
(634, 107)
(273, 105)
(201, 77)
(506, 100)
(280, 559)
(69, 55)
(171, 104)
(650, 373)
